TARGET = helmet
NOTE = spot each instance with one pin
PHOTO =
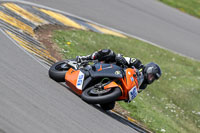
(151, 72)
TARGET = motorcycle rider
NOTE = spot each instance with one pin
(146, 74)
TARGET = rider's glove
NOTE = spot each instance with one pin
(120, 60)
(136, 63)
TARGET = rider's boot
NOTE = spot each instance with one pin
(82, 58)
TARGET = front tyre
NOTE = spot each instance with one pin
(94, 95)
(58, 70)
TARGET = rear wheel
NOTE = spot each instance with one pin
(94, 95)
(58, 70)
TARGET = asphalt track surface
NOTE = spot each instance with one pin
(147, 19)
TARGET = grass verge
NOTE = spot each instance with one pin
(169, 105)
(191, 7)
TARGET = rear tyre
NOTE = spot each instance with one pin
(93, 95)
(108, 106)
(58, 70)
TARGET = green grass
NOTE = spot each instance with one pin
(191, 7)
(171, 104)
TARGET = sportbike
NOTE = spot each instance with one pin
(97, 82)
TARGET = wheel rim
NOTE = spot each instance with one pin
(98, 92)
(62, 67)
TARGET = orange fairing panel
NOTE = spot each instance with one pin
(111, 85)
(129, 84)
(74, 79)
(131, 79)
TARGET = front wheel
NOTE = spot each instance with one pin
(95, 95)
(58, 70)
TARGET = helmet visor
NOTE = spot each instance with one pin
(151, 77)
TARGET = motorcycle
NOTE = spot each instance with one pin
(97, 82)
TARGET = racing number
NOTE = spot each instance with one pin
(133, 93)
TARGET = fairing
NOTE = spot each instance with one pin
(106, 70)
